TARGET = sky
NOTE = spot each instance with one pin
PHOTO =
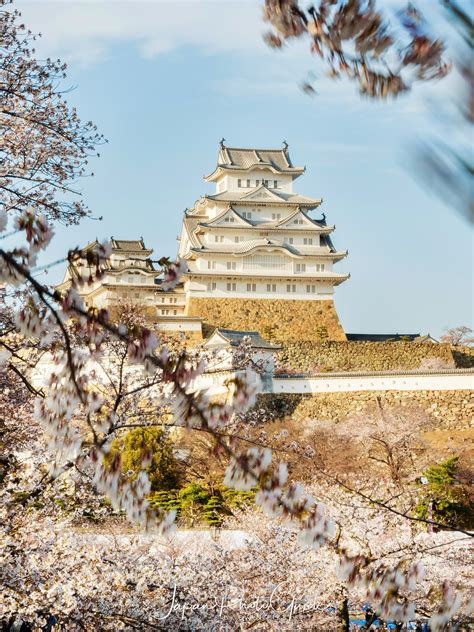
(165, 81)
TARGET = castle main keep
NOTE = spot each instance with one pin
(256, 257)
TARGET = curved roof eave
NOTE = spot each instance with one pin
(296, 171)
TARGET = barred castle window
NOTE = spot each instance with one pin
(291, 288)
(268, 262)
(300, 267)
(271, 287)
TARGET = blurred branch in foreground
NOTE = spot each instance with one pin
(354, 40)
(448, 166)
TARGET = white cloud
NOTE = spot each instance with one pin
(86, 31)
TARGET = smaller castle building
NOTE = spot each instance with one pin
(131, 277)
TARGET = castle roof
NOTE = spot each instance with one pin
(263, 195)
(383, 337)
(249, 158)
(233, 337)
(265, 243)
(129, 246)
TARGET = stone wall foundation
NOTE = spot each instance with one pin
(277, 320)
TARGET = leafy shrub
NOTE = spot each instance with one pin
(195, 504)
(446, 495)
(154, 441)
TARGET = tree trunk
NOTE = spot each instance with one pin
(343, 616)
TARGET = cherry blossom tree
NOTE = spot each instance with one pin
(354, 40)
(459, 336)
(107, 375)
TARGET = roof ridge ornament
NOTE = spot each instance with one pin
(285, 145)
(221, 142)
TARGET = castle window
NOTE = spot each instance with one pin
(248, 184)
(265, 182)
(307, 241)
(271, 287)
(311, 288)
(275, 184)
(276, 215)
(247, 215)
(175, 312)
(231, 265)
(257, 182)
(290, 240)
(266, 262)
(320, 267)
(291, 288)
(239, 183)
(301, 267)
(231, 287)
(251, 287)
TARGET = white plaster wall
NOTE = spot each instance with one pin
(179, 326)
(231, 182)
(457, 380)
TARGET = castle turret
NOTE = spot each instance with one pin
(257, 259)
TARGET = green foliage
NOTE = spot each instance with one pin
(448, 499)
(194, 503)
(155, 442)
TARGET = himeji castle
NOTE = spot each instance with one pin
(256, 256)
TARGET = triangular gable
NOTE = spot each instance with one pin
(298, 214)
(217, 339)
(262, 193)
(219, 220)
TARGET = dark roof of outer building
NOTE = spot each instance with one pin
(235, 337)
(382, 337)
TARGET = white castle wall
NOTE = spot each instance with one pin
(457, 379)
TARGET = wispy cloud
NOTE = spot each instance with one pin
(86, 31)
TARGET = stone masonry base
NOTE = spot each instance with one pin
(278, 320)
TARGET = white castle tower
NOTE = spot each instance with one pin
(256, 258)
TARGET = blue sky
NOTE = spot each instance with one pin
(165, 81)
